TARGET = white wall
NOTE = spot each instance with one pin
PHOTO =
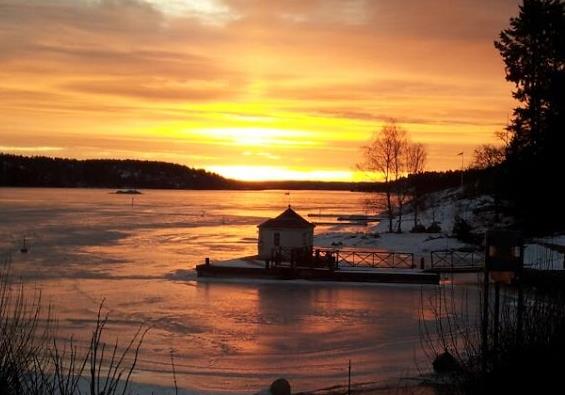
(289, 238)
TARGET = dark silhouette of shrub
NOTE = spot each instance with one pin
(33, 361)
(418, 229)
(462, 230)
(434, 228)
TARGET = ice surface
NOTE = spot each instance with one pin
(227, 337)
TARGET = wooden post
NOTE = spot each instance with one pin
(422, 263)
(484, 323)
(496, 316)
(520, 313)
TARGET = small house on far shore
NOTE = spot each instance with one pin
(289, 231)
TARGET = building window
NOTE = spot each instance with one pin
(277, 239)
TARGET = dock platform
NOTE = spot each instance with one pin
(247, 268)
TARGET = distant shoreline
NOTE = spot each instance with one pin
(142, 189)
(47, 172)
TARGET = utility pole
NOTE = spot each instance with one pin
(462, 154)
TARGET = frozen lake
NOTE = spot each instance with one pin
(227, 337)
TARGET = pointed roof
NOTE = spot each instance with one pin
(288, 219)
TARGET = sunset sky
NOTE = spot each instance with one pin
(252, 89)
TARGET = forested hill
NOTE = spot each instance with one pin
(40, 171)
(21, 171)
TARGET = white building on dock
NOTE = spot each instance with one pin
(285, 233)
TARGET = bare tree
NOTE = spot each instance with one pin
(488, 155)
(400, 186)
(383, 156)
(392, 156)
(416, 158)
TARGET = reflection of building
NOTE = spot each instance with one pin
(287, 232)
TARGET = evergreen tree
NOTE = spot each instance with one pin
(533, 49)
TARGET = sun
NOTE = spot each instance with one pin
(255, 137)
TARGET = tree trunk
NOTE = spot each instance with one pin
(389, 209)
(415, 200)
(399, 227)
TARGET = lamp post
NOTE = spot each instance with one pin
(504, 260)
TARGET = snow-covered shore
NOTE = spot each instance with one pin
(547, 253)
(446, 206)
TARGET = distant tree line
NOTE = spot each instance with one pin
(304, 185)
(40, 171)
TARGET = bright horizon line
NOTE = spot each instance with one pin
(256, 173)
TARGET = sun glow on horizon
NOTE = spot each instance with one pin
(252, 90)
(281, 173)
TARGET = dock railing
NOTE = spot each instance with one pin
(373, 259)
(334, 258)
(440, 259)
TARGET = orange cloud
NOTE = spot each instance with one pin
(292, 88)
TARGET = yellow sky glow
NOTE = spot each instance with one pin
(258, 173)
(253, 90)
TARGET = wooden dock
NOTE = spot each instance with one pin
(369, 275)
